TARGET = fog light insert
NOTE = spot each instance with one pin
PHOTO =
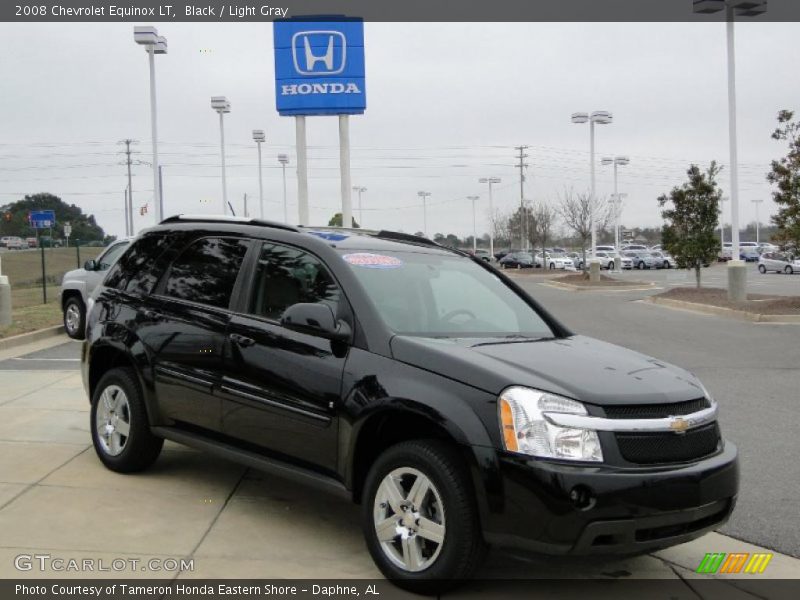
(582, 497)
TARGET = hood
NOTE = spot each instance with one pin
(577, 367)
(75, 274)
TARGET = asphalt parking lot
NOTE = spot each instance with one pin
(57, 499)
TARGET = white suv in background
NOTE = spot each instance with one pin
(12, 242)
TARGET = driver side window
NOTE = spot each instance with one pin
(286, 276)
(110, 256)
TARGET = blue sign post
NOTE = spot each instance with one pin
(42, 219)
(319, 70)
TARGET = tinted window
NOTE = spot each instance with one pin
(286, 276)
(206, 271)
(110, 256)
(134, 271)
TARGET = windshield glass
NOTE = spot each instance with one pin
(443, 296)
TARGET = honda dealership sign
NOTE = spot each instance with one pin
(319, 67)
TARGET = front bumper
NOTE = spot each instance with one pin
(559, 508)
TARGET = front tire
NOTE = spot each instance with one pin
(75, 318)
(120, 429)
(762, 269)
(641, 265)
(788, 270)
(420, 518)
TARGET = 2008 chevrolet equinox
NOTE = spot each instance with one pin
(415, 380)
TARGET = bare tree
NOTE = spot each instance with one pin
(543, 222)
(576, 210)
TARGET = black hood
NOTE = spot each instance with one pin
(577, 367)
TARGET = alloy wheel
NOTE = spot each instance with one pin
(72, 318)
(113, 420)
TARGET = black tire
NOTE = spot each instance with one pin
(552, 266)
(666, 264)
(74, 326)
(788, 270)
(463, 547)
(762, 269)
(640, 266)
(141, 447)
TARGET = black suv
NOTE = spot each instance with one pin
(415, 380)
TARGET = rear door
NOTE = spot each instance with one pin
(184, 324)
(281, 388)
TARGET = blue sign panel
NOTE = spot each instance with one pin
(319, 67)
(42, 219)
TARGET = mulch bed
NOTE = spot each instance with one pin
(582, 279)
(756, 303)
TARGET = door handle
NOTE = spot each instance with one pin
(153, 315)
(241, 340)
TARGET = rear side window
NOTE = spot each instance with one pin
(206, 271)
(134, 272)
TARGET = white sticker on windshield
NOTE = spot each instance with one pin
(373, 261)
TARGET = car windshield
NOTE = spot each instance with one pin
(437, 295)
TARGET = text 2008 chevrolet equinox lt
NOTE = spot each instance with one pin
(415, 380)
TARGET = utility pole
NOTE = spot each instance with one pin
(245, 206)
(522, 165)
(129, 230)
(758, 222)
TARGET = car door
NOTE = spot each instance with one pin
(281, 387)
(184, 325)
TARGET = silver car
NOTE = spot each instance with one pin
(644, 260)
(78, 285)
(778, 262)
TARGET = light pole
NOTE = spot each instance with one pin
(221, 105)
(154, 44)
(474, 226)
(360, 190)
(737, 272)
(758, 223)
(616, 161)
(490, 181)
(284, 160)
(720, 210)
(259, 138)
(424, 196)
(601, 117)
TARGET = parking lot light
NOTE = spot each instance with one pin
(259, 137)
(284, 160)
(490, 181)
(221, 105)
(424, 196)
(474, 226)
(600, 117)
(360, 190)
(616, 161)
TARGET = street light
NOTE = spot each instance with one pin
(737, 272)
(221, 105)
(758, 223)
(154, 44)
(284, 160)
(360, 189)
(601, 117)
(490, 181)
(720, 210)
(616, 161)
(424, 196)
(259, 138)
(474, 226)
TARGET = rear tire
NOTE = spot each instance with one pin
(447, 511)
(75, 318)
(120, 428)
(762, 269)
(788, 270)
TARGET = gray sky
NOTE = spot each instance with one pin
(446, 104)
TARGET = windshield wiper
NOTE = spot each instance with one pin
(514, 339)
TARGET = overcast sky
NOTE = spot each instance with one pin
(446, 105)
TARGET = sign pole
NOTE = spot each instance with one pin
(344, 167)
(302, 169)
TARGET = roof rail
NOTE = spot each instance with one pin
(406, 237)
(227, 219)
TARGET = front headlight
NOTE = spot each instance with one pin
(526, 429)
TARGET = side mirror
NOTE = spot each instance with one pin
(315, 318)
(90, 265)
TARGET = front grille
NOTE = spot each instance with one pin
(656, 411)
(650, 448)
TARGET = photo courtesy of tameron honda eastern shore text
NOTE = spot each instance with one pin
(415, 380)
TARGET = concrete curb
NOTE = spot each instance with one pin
(32, 336)
(731, 313)
(600, 288)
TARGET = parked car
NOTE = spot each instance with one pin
(32, 242)
(749, 251)
(643, 260)
(12, 242)
(576, 258)
(555, 261)
(606, 259)
(517, 260)
(483, 255)
(656, 248)
(767, 247)
(501, 253)
(423, 385)
(779, 262)
(605, 249)
(77, 286)
(635, 248)
(667, 262)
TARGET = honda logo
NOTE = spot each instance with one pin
(319, 52)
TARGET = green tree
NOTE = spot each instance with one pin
(785, 174)
(336, 221)
(84, 227)
(691, 221)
